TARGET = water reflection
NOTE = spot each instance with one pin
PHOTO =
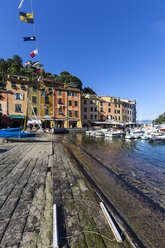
(139, 162)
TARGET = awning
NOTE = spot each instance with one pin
(47, 119)
(17, 116)
(72, 119)
(60, 119)
(33, 121)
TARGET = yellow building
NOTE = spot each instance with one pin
(34, 103)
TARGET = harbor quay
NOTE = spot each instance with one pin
(36, 175)
(53, 171)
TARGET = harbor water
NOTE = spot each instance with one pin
(140, 163)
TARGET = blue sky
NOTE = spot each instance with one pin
(116, 47)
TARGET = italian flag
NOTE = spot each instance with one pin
(33, 54)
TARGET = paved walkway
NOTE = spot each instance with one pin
(27, 194)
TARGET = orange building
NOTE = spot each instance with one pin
(17, 99)
(60, 106)
(106, 110)
(51, 103)
(3, 108)
(67, 108)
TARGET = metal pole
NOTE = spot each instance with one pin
(55, 234)
(111, 223)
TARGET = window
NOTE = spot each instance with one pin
(109, 110)
(46, 100)
(13, 85)
(60, 111)
(91, 102)
(22, 86)
(101, 109)
(91, 117)
(35, 111)
(50, 90)
(109, 104)
(119, 118)
(60, 101)
(75, 103)
(34, 99)
(18, 108)
(101, 104)
(75, 94)
(72, 93)
(47, 111)
(101, 117)
(85, 109)
(70, 113)
(43, 92)
(85, 101)
(70, 102)
(1, 107)
(119, 105)
(118, 111)
(95, 117)
(95, 109)
(18, 96)
(116, 105)
(69, 93)
(85, 117)
(76, 113)
(116, 118)
(34, 87)
(91, 108)
(60, 93)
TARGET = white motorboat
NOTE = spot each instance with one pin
(130, 136)
(99, 133)
(114, 134)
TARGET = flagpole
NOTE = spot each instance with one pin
(34, 27)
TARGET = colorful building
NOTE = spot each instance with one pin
(89, 109)
(4, 108)
(67, 108)
(129, 111)
(17, 99)
(96, 111)
(53, 104)
(34, 103)
(60, 106)
(124, 109)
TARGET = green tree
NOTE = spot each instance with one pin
(3, 72)
(17, 60)
(88, 90)
(160, 119)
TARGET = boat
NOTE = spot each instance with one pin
(99, 133)
(130, 136)
(16, 129)
(13, 134)
(144, 137)
(90, 131)
(114, 134)
(157, 138)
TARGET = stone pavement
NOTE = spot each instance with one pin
(27, 194)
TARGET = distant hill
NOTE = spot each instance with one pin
(144, 121)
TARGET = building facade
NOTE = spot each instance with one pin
(89, 109)
(3, 108)
(17, 99)
(124, 109)
(52, 104)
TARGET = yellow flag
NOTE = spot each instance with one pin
(26, 17)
